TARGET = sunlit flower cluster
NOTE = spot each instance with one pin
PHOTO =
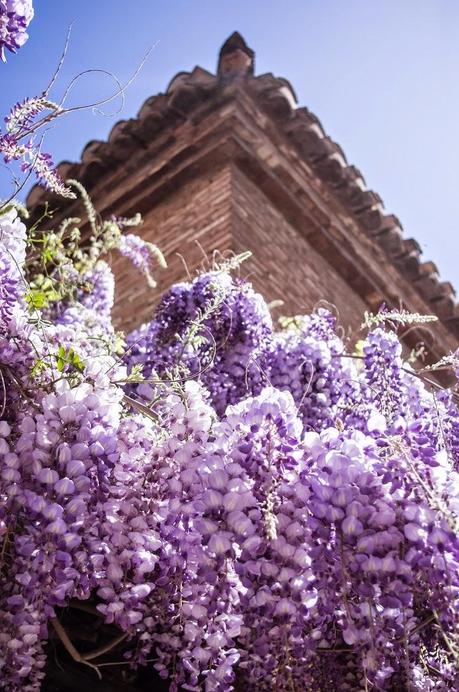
(15, 17)
(248, 507)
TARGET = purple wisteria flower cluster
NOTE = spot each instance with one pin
(249, 507)
(18, 142)
(15, 17)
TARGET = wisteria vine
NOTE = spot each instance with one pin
(22, 135)
(245, 505)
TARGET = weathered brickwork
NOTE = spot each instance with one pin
(191, 225)
(222, 213)
(284, 265)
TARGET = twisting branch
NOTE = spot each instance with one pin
(91, 655)
(105, 648)
(74, 653)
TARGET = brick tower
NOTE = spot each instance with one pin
(227, 162)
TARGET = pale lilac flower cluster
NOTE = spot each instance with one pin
(19, 142)
(21, 116)
(306, 361)
(13, 237)
(93, 299)
(12, 257)
(36, 161)
(53, 479)
(142, 254)
(15, 17)
(259, 512)
(219, 329)
(382, 353)
(9, 290)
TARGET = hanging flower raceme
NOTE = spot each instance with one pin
(307, 360)
(142, 254)
(215, 329)
(15, 17)
(17, 338)
(10, 290)
(34, 160)
(12, 256)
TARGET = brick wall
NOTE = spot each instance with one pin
(222, 212)
(199, 210)
(284, 265)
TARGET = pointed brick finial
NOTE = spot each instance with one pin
(236, 59)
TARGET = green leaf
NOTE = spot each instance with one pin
(68, 357)
(136, 374)
(48, 255)
(75, 360)
(38, 367)
(119, 343)
(36, 299)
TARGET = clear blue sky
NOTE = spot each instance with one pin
(383, 77)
